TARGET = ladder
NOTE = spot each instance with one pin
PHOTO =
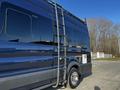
(59, 45)
(65, 47)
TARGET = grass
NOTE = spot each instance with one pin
(109, 59)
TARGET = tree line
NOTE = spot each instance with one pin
(104, 36)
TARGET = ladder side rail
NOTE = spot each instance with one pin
(58, 51)
(65, 47)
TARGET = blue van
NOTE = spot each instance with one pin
(41, 45)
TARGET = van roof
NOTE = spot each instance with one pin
(33, 5)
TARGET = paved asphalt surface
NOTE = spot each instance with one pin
(106, 76)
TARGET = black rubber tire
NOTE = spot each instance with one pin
(69, 82)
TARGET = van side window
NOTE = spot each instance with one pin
(42, 29)
(1, 22)
(73, 34)
(1, 18)
(18, 24)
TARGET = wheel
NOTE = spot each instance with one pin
(73, 78)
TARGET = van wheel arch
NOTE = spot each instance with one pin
(73, 65)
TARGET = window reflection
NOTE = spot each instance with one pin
(18, 24)
(77, 32)
(42, 29)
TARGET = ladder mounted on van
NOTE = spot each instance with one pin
(59, 14)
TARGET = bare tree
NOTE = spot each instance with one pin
(104, 35)
(93, 33)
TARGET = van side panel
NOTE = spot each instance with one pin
(25, 57)
(28, 44)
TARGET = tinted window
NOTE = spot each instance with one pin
(77, 33)
(85, 37)
(42, 29)
(18, 24)
(73, 33)
(1, 21)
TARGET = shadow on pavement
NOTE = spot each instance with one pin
(97, 88)
(51, 88)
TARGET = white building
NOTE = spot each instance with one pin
(98, 55)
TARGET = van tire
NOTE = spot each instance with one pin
(74, 78)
